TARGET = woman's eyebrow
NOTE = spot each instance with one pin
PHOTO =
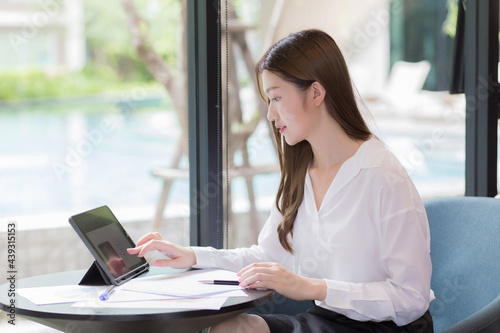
(271, 88)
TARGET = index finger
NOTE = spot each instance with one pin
(146, 238)
(152, 245)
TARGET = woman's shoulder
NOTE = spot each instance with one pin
(374, 153)
(385, 166)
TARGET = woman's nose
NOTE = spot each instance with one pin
(271, 113)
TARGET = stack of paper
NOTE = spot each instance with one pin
(186, 284)
(170, 291)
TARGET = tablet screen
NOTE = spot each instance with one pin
(108, 242)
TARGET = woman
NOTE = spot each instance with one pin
(348, 229)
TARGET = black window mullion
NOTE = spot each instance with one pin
(480, 81)
(205, 123)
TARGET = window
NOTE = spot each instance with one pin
(400, 70)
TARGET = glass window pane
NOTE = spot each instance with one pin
(398, 54)
(86, 121)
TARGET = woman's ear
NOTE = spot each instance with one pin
(318, 92)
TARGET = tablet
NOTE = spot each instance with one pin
(108, 241)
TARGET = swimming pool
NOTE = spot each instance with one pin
(75, 161)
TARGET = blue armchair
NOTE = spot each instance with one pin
(465, 252)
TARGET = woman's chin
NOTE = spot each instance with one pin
(291, 142)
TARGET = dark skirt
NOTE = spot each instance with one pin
(319, 320)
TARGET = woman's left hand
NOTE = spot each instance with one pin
(272, 275)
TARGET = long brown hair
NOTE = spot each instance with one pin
(303, 58)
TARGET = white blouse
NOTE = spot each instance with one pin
(369, 241)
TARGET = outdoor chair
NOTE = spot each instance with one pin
(402, 93)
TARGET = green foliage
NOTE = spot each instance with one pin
(106, 28)
(92, 79)
(450, 24)
(109, 40)
(112, 61)
(164, 17)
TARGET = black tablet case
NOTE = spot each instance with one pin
(95, 276)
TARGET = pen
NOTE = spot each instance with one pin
(230, 282)
(105, 295)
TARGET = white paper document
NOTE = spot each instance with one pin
(187, 284)
(211, 303)
(73, 293)
(61, 294)
(176, 290)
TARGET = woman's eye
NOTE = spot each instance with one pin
(276, 99)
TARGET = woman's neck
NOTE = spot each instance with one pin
(331, 147)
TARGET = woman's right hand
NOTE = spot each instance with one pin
(180, 256)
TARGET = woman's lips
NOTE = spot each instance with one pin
(282, 129)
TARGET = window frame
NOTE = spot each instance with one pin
(205, 123)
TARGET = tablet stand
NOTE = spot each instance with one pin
(95, 276)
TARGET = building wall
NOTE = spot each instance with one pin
(47, 35)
